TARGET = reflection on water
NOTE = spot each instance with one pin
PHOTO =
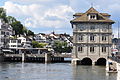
(56, 71)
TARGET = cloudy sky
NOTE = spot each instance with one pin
(44, 16)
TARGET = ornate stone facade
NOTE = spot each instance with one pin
(92, 35)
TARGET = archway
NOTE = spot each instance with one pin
(101, 61)
(86, 61)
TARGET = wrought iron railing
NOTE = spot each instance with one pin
(115, 58)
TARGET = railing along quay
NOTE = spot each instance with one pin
(35, 57)
(115, 58)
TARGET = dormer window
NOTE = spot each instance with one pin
(92, 16)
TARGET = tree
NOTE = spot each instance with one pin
(36, 44)
(11, 19)
(30, 33)
(17, 27)
(60, 47)
(3, 14)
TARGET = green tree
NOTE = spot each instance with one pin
(3, 14)
(11, 19)
(60, 47)
(17, 27)
(36, 44)
(30, 33)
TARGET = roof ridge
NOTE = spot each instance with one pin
(84, 16)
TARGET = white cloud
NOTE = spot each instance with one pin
(36, 15)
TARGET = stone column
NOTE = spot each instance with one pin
(76, 61)
(38, 51)
(107, 65)
(23, 57)
(47, 58)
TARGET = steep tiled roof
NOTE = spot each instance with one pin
(83, 17)
(80, 14)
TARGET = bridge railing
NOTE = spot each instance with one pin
(115, 58)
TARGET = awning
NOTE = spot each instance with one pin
(6, 50)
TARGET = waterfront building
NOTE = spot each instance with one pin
(15, 43)
(41, 37)
(25, 42)
(5, 33)
(92, 37)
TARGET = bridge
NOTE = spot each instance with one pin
(113, 64)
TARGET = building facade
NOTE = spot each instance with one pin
(15, 43)
(25, 42)
(92, 35)
(5, 33)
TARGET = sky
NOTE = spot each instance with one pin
(45, 16)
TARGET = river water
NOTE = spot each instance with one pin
(55, 71)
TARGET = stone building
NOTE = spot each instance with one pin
(92, 37)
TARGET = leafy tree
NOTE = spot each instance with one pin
(3, 14)
(36, 44)
(30, 33)
(11, 19)
(17, 27)
(60, 47)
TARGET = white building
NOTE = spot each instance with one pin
(25, 42)
(92, 36)
(5, 33)
(40, 37)
(15, 43)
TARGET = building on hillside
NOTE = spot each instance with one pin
(5, 33)
(15, 43)
(41, 37)
(25, 42)
(92, 36)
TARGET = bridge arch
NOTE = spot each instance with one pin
(86, 61)
(101, 61)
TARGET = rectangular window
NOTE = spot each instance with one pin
(81, 38)
(104, 38)
(92, 37)
(103, 49)
(13, 45)
(91, 49)
(92, 27)
(2, 32)
(7, 33)
(80, 49)
(19, 41)
(13, 41)
(2, 40)
(104, 28)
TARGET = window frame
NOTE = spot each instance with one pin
(80, 38)
(104, 49)
(92, 49)
(80, 49)
(92, 37)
